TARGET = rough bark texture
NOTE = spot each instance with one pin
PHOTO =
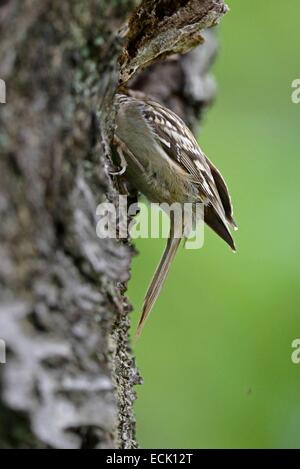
(70, 374)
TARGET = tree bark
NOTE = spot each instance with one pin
(69, 376)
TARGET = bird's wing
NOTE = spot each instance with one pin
(223, 193)
(182, 148)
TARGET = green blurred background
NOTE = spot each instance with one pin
(216, 352)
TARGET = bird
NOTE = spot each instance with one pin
(161, 158)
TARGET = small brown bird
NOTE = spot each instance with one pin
(163, 160)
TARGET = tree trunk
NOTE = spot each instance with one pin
(69, 376)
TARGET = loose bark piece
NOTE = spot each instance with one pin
(158, 29)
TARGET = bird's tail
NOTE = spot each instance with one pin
(159, 276)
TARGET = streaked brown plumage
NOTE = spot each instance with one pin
(166, 164)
